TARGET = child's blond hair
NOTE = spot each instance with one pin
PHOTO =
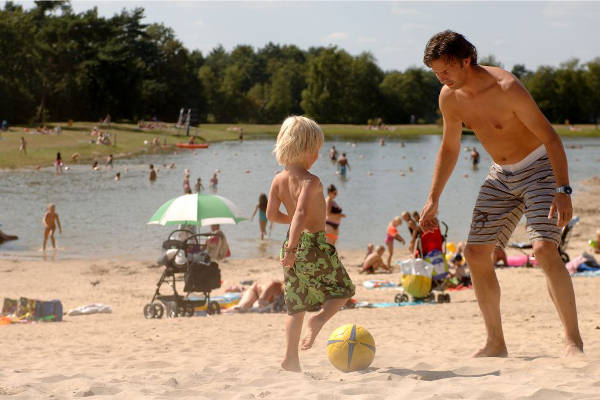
(297, 137)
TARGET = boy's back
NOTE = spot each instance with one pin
(294, 182)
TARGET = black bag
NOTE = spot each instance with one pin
(202, 277)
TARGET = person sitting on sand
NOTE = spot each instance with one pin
(374, 261)
(459, 270)
(50, 221)
(260, 295)
(217, 246)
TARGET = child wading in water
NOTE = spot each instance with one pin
(261, 207)
(50, 221)
(313, 274)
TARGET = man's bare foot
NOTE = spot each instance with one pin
(492, 350)
(573, 350)
(291, 365)
(313, 326)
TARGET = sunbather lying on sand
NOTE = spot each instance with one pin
(260, 295)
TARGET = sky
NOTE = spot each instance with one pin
(532, 33)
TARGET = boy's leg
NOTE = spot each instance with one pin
(293, 329)
(390, 247)
(52, 238)
(560, 288)
(46, 230)
(316, 322)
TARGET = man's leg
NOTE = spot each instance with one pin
(561, 292)
(487, 291)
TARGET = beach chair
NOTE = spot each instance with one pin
(562, 247)
(185, 260)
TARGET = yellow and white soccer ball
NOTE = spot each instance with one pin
(351, 348)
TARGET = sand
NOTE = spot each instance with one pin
(422, 351)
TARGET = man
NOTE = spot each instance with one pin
(529, 175)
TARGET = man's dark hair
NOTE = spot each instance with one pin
(449, 45)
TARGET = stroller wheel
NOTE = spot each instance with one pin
(441, 298)
(447, 298)
(189, 310)
(430, 297)
(401, 298)
(149, 312)
(159, 310)
(213, 308)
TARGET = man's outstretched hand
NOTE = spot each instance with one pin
(428, 220)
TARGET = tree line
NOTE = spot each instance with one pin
(59, 65)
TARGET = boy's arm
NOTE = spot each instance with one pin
(399, 238)
(44, 220)
(58, 222)
(273, 213)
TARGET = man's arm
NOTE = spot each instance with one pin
(529, 113)
(273, 213)
(444, 163)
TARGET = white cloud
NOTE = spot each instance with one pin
(560, 9)
(337, 36)
(405, 11)
(366, 39)
(414, 26)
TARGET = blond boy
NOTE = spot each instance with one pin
(50, 221)
(314, 277)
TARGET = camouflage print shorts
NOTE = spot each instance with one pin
(317, 275)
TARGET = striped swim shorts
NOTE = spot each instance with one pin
(507, 194)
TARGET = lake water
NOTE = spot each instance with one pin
(104, 218)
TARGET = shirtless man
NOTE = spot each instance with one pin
(529, 176)
(50, 220)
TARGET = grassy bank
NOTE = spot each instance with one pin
(41, 149)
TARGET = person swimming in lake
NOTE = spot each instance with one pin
(343, 164)
(152, 175)
(333, 216)
(333, 154)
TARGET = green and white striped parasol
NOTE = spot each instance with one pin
(197, 209)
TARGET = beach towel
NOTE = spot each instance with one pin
(366, 304)
(588, 274)
(379, 283)
(226, 300)
(90, 309)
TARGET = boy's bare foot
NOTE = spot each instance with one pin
(314, 326)
(492, 350)
(291, 365)
(573, 350)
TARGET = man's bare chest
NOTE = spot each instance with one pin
(488, 115)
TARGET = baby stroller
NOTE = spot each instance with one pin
(429, 271)
(185, 260)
